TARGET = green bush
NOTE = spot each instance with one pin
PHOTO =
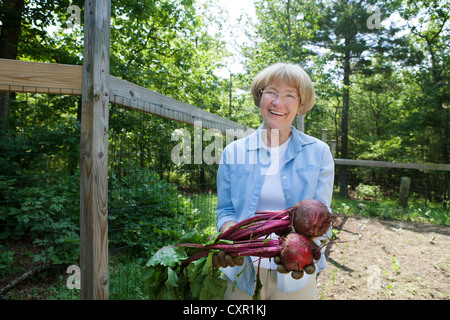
(6, 260)
(416, 211)
(367, 192)
(147, 212)
(44, 217)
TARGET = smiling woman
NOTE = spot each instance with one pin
(282, 91)
(301, 167)
(286, 74)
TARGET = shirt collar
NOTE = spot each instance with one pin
(298, 140)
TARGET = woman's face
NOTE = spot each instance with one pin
(279, 106)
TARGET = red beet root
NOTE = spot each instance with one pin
(297, 252)
(311, 218)
(316, 251)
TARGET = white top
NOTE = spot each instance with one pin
(272, 198)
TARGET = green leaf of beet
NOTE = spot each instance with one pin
(168, 256)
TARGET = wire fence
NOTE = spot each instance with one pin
(152, 200)
(39, 194)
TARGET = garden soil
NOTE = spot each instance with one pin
(375, 259)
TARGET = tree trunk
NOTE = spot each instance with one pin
(343, 181)
(10, 29)
(9, 44)
(4, 111)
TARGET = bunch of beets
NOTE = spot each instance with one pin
(294, 249)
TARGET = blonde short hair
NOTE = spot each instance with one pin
(290, 74)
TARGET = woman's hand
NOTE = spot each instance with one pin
(222, 259)
(227, 225)
(310, 269)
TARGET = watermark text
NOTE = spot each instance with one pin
(75, 17)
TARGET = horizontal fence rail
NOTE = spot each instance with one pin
(387, 164)
(49, 78)
(38, 77)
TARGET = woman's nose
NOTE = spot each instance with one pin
(277, 100)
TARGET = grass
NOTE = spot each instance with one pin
(387, 208)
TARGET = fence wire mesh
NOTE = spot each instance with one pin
(152, 201)
(39, 194)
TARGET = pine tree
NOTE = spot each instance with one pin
(353, 33)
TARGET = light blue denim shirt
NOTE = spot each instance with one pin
(307, 172)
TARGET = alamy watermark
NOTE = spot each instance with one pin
(190, 150)
(73, 281)
(75, 16)
(374, 21)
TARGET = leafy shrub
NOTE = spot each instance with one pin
(45, 216)
(366, 192)
(39, 184)
(6, 260)
(416, 211)
(147, 212)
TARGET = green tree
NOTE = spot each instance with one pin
(282, 32)
(165, 46)
(23, 34)
(353, 33)
(429, 23)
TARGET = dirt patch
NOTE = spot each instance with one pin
(386, 260)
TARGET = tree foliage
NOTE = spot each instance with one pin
(380, 69)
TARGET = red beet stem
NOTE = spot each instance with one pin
(263, 230)
(243, 223)
(246, 228)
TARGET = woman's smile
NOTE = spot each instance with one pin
(277, 113)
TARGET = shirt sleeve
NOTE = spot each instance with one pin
(324, 189)
(225, 209)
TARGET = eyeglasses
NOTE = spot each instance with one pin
(273, 95)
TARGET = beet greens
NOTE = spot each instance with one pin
(186, 270)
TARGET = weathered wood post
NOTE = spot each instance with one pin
(333, 148)
(324, 135)
(94, 151)
(405, 183)
(301, 123)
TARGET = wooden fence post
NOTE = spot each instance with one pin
(301, 123)
(324, 135)
(94, 151)
(405, 183)
(333, 148)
